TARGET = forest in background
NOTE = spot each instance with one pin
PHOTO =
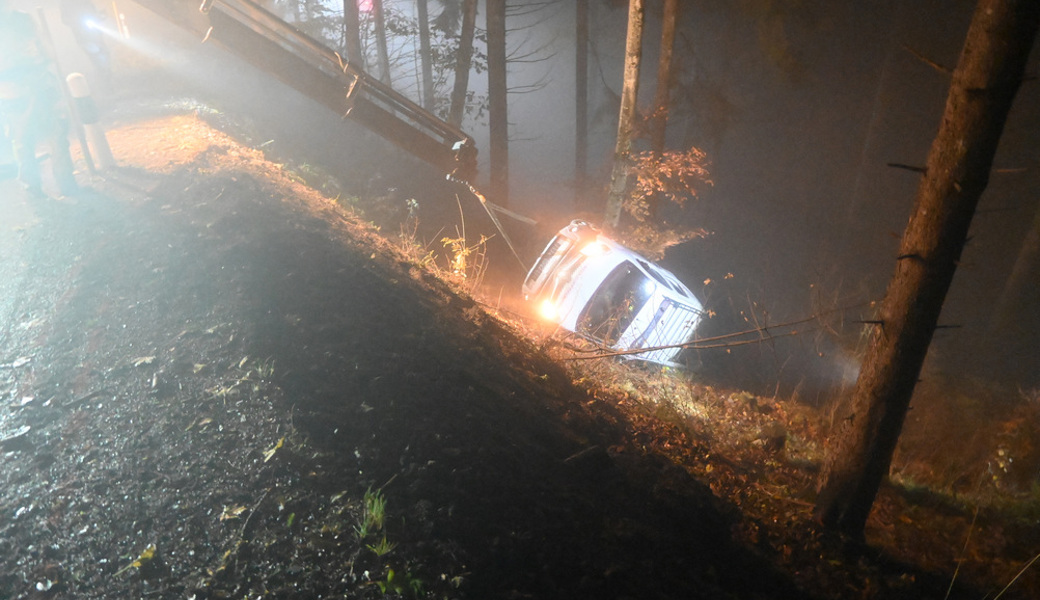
(800, 110)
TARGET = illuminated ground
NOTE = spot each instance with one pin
(210, 361)
(206, 365)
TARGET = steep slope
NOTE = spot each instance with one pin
(218, 383)
(209, 365)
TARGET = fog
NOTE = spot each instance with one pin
(801, 108)
(801, 111)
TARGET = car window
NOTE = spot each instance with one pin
(615, 303)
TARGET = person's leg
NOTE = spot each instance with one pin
(24, 135)
(61, 159)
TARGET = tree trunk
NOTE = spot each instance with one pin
(664, 76)
(424, 53)
(619, 186)
(581, 103)
(379, 19)
(984, 84)
(352, 34)
(463, 62)
(1013, 298)
(662, 99)
(498, 120)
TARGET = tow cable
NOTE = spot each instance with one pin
(490, 208)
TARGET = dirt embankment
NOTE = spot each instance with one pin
(218, 384)
(206, 366)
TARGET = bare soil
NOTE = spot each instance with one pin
(213, 378)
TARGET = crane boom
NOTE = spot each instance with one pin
(278, 48)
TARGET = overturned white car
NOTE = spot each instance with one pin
(593, 286)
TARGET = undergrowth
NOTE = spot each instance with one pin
(965, 449)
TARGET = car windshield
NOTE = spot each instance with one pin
(615, 304)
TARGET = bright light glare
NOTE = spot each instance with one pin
(595, 249)
(364, 6)
(548, 310)
(93, 24)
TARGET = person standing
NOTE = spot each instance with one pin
(31, 104)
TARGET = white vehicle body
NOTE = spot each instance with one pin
(593, 286)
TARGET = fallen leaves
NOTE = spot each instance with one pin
(143, 360)
(145, 558)
(232, 512)
(269, 454)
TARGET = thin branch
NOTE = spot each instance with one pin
(964, 550)
(1013, 580)
(907, 167)
(726, 341)
(931, 63)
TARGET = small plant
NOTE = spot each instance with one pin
(373, 513)
(467, 262)
(382, 548)
(460, 263)
(406, 583)
(409, 243)
(361, 530)
(264, 369)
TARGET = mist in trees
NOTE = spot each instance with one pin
(794, 110)
(984, 84)
(424, 49)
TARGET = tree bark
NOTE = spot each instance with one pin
(983, 87)
(619, 186)
(352, 34)
(379, 18)
(498, 120)
(581, 102)
(662, 98)
(425, 56)
(463, 62)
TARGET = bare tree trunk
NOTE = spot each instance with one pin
(498, 120)
(984, 84)
(619, 186)
(463, 62)
(425, 57)
(1012, 298)
(662, 97)
(352, 34)
(581, 103)
(379, 17)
